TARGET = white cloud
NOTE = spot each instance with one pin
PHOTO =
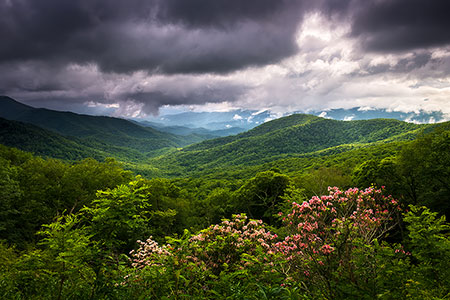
(365, 108)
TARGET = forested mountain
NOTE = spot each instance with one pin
(43, 142)
(293, 136)
(288, 142)
(47, 143)
(106, 131)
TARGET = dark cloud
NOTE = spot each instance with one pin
(201, 36)
(219, 13)
(39, 29)
(42, 85)
(42, 40)
(152, 100)
(401, 25)
(178, 50)
(156, 35)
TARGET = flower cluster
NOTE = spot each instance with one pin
(331, 235)
(223, 244)
(149, 253)
(321, 225)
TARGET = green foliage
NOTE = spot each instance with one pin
(82, 180)
(120, 216)
(170, 210)
(60, 271)
(217, 205)
(261, 196)
(430, 243)
(376, 172)
(425, 168)
(10, 194)
(35, 190)
(68, 251)
(317, 181)
(419, 174)
(8, 258)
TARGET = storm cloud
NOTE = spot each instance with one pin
(157, 36)
(401, 25)
(140, 55)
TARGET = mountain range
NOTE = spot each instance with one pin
(248, 119)
(242, 119)
(177, 151)
(298, 135)
(111, 136)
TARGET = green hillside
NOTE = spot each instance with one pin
(42, 142)
(292, 136)
(112, 131)
(296, 141)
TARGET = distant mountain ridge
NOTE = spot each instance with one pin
(248, 119)
(367, 113)
(245, 119)
(184, 130)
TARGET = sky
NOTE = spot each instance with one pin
(138, 58)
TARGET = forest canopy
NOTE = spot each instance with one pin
(89, 229)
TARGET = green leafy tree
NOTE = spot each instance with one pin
(120, 216)
(429, 241)
(10, 200)
(68, 252)
(217, 205)
(261, 196)
(425, 167)
(316, 182)
(59, 269)
(170, 209)
(83, 179)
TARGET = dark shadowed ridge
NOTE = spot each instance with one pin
(106, 130)
(69, 123)
(38, 141)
